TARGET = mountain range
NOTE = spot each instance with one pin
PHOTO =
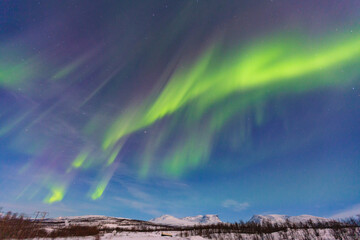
(276, 218)
(187, 221)
(169, 220)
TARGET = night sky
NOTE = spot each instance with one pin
(142, 108)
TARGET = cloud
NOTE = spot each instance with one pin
(137, 193)
(235, 205)
(176, 196)
(350, 212)
(138, 205)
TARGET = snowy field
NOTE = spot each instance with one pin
(259, 227)
(297, 235)
(133, 236)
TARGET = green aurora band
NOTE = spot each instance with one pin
(195, 99)
(80, 159)
(99, 188)
(253, 73)
(56, 194)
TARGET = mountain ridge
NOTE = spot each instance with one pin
(187, 221)
(277, 218)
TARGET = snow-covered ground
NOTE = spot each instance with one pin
(187, 221)
(323, 234)
(113, 228)
(133, 236)
(168, 220)
(144, 236)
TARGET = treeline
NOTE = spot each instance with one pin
(244, 227)
(15, 226)
(348, 229)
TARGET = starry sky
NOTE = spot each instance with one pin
(142, 108)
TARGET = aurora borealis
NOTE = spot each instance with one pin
(142, 108)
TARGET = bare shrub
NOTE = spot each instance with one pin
(17, 226)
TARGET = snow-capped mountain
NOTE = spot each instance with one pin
(276, 218)
(187, 221)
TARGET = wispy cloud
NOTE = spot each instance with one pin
(139, 194)
(140, 206)
(145, 195)
(235, 205)
(350, 212)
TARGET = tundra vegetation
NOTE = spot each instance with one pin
(17, 226)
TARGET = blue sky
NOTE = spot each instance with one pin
(138, 109)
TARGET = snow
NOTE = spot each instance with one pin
(305, 218)
(112, 223)
(95, 220)
(323, 234)
(89, 217)
(187, 221)
(276, 218)
(133, 236)
(204, 219)
(144, 236)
